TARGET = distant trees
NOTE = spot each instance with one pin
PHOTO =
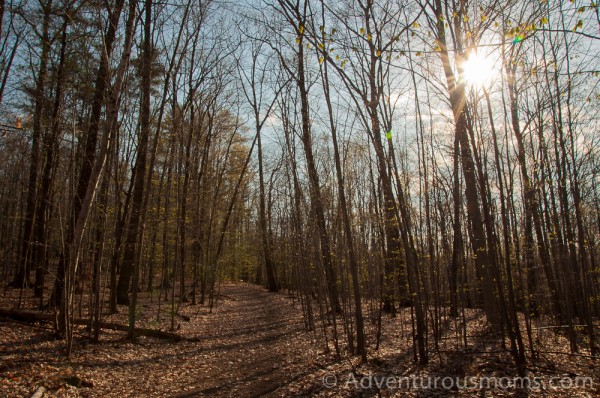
(256, 74)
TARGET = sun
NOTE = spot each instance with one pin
(478, 70)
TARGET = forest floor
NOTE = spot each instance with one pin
(254, 343)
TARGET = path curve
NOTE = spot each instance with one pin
(252, 344)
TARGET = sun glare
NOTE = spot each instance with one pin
(478, 70)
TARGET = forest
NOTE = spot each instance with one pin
(333, 189)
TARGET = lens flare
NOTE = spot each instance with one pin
(478, 70)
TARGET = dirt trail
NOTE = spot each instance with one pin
(253, 344)
(258, 345)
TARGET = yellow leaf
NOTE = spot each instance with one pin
(416, 25)
(301, 29)
(362, 31)
(321, 60)
(483, 18)
(543, 21)
(369, 37)
(419, 53)
(321, 46)
(377, 53)
(298, 40)
(465, 18)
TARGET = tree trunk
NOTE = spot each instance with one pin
(457, 96)
(131, 259)
(266, 248)
(89, 153)
(22, 277)
(347, 226)
(51, 148)
(313, 176)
